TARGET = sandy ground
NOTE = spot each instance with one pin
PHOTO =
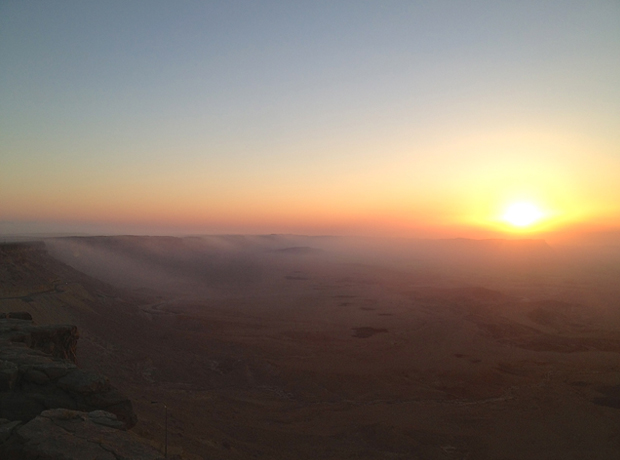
(332, 359)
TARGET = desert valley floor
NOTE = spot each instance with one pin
(282, 347)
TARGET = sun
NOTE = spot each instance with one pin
(522, 214)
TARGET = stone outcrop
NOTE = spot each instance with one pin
(60, 341)
(50, 408)
(71, 435)
(38, 372)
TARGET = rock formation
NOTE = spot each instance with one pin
(50, 408)
(68, 435)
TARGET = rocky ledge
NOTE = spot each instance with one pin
(71, 435)
(50, 408)
(60, 341)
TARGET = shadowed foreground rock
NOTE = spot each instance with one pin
(49, 408)
(37, 372)
(60, 341)
(71, 435)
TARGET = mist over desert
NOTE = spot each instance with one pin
(284, 346)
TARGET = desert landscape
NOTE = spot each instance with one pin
(282, 346)
(310, 230)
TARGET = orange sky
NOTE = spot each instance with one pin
(408, 120)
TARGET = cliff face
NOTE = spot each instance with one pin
(49, 408)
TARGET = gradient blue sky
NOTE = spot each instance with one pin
(391, 117)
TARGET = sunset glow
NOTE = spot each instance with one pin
(410, 119)
(522, 214)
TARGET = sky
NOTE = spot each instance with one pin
(392, 118)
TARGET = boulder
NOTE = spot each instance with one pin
(60, 341)
(84, 382)
(38, 372)
(62, 434)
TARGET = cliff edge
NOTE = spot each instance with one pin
(50, 408)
